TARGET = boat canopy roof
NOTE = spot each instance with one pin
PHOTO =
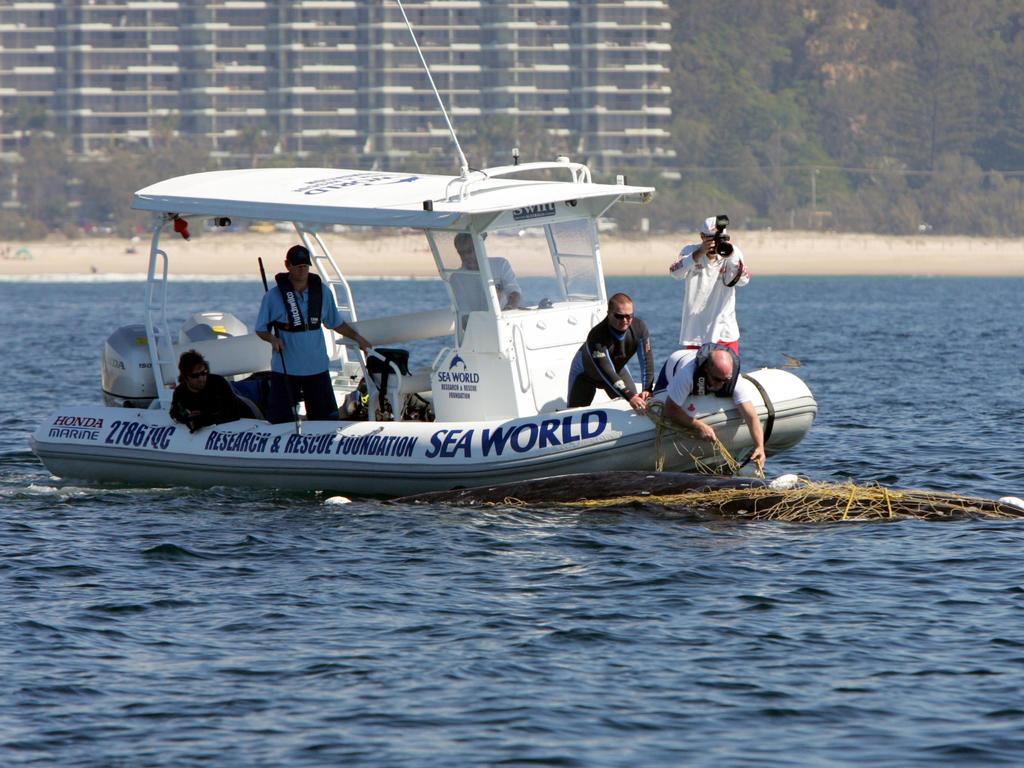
(324, 196)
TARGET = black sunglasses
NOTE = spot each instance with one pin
(622, 316)
(197, 374)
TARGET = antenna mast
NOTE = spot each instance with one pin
(462, 158)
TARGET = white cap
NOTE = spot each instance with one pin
(708, 228)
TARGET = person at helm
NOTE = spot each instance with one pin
(469, 295)
(291, 318)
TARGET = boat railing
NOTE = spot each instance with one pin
(386, 396)
(463, 185)
(158, 333)
(400, 329)
(329, 270)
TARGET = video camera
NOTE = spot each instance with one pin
(721, 244)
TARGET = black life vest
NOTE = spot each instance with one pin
(293, 311)
(700, 364)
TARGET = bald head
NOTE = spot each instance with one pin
(718, 369)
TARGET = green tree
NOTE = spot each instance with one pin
(858, 73)
(956, 45)
(1002, 111)
(25, 118)
(44, 179)
(107, 183)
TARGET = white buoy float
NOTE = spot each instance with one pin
(784, 482)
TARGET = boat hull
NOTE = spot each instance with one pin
(144, 447)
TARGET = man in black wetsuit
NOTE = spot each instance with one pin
(601, 361)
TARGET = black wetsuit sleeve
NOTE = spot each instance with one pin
(179, 410)
(217, 403)
(645, 354)
(599, 364)
(630, 387)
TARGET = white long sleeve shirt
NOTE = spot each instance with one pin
(709, 302)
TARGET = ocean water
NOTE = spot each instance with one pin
(178, 627)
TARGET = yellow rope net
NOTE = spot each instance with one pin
(819, 503)
(721, 461)
(803, 501)
(808, 503)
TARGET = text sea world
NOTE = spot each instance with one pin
(443, 443)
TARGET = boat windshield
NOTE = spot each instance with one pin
(532, 267)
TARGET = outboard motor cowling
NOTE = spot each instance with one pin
(127, 373)
(203, 326)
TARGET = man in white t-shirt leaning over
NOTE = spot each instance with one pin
(715, 370)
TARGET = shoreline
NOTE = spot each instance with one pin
(407, 255)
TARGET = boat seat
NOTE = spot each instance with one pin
(230, 356)
(254, 410)
(415, 381)
(254, 392)
(390, 383)
(381, 331)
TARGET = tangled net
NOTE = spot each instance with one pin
(788, 499)
(808, 502)
(819, 503)
(721, 461)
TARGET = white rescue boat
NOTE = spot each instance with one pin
(489, 408)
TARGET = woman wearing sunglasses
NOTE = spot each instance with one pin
(203, 398)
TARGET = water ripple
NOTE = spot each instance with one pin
(229, 627)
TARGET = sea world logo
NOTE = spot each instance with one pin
(88, 422)
(533, 212)
(458, 373)
(458, 376)
(357, 179)
(521, 438)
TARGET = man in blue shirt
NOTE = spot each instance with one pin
(298, 308)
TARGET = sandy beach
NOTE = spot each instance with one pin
(767, 253)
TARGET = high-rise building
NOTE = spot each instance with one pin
(298, 73)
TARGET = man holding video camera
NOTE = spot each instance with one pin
(713, 270)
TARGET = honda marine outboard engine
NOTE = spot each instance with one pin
(127, 374)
